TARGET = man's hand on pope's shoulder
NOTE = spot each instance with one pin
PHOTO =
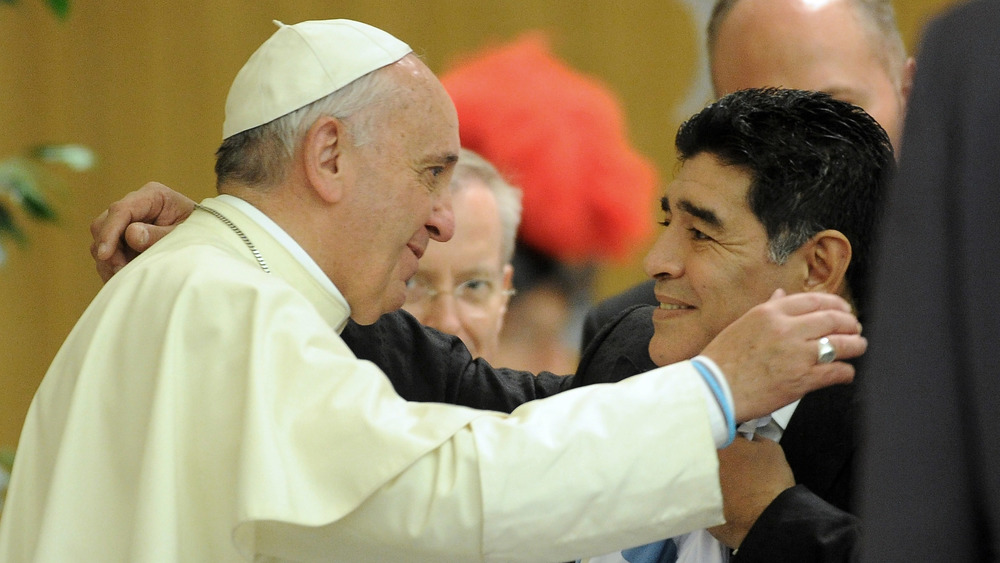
(132, 224)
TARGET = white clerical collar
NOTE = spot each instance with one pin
(283, 238)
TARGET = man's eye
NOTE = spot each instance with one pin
(478, 285)
(665, 222)
(476, 290)
(698, 235)
(418, 290)
(436, 170)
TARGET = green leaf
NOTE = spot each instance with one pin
(25, 180)
(20, 178)
(38, 207)
(60, 8)
(8, 227)
(17, 183)
(77, 157)
(14, 172)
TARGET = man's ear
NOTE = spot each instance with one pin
(906, 81)
(506, 284)
(323, 157)
(828, 254)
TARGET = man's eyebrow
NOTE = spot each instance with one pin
(441, 159)
(477, 271)
(706, 215)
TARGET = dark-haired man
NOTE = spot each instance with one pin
(850, 49)
(777, 189)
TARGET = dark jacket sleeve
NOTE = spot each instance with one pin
(428, 366)
(798, 527)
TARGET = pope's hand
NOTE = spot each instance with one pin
(770, 354)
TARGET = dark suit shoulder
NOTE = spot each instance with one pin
(620, 348)
(612, 307)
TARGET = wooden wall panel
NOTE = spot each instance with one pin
(144, 82)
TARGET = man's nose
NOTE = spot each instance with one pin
(666, 257)
(442, 313)
(441, 224)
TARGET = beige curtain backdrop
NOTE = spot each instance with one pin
(143, 83)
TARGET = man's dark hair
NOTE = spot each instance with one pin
(815, 163)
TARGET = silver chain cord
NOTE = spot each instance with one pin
(239, 233)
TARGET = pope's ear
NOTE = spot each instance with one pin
(828, 254)
(323, 157)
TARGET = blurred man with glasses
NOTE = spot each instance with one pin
(462, 286)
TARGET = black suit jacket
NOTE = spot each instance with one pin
(809, 523)
(932, 381)
(425, 365)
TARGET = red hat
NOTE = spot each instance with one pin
(561, 137)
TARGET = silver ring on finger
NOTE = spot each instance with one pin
(826, 353)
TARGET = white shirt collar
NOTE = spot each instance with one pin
(784, 414)
(763, 424)
(285, 240)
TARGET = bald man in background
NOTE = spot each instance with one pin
(850, 49)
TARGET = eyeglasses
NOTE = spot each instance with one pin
(475, 292)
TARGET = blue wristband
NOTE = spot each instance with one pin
(720, 397)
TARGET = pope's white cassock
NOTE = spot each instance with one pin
(205, 410)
